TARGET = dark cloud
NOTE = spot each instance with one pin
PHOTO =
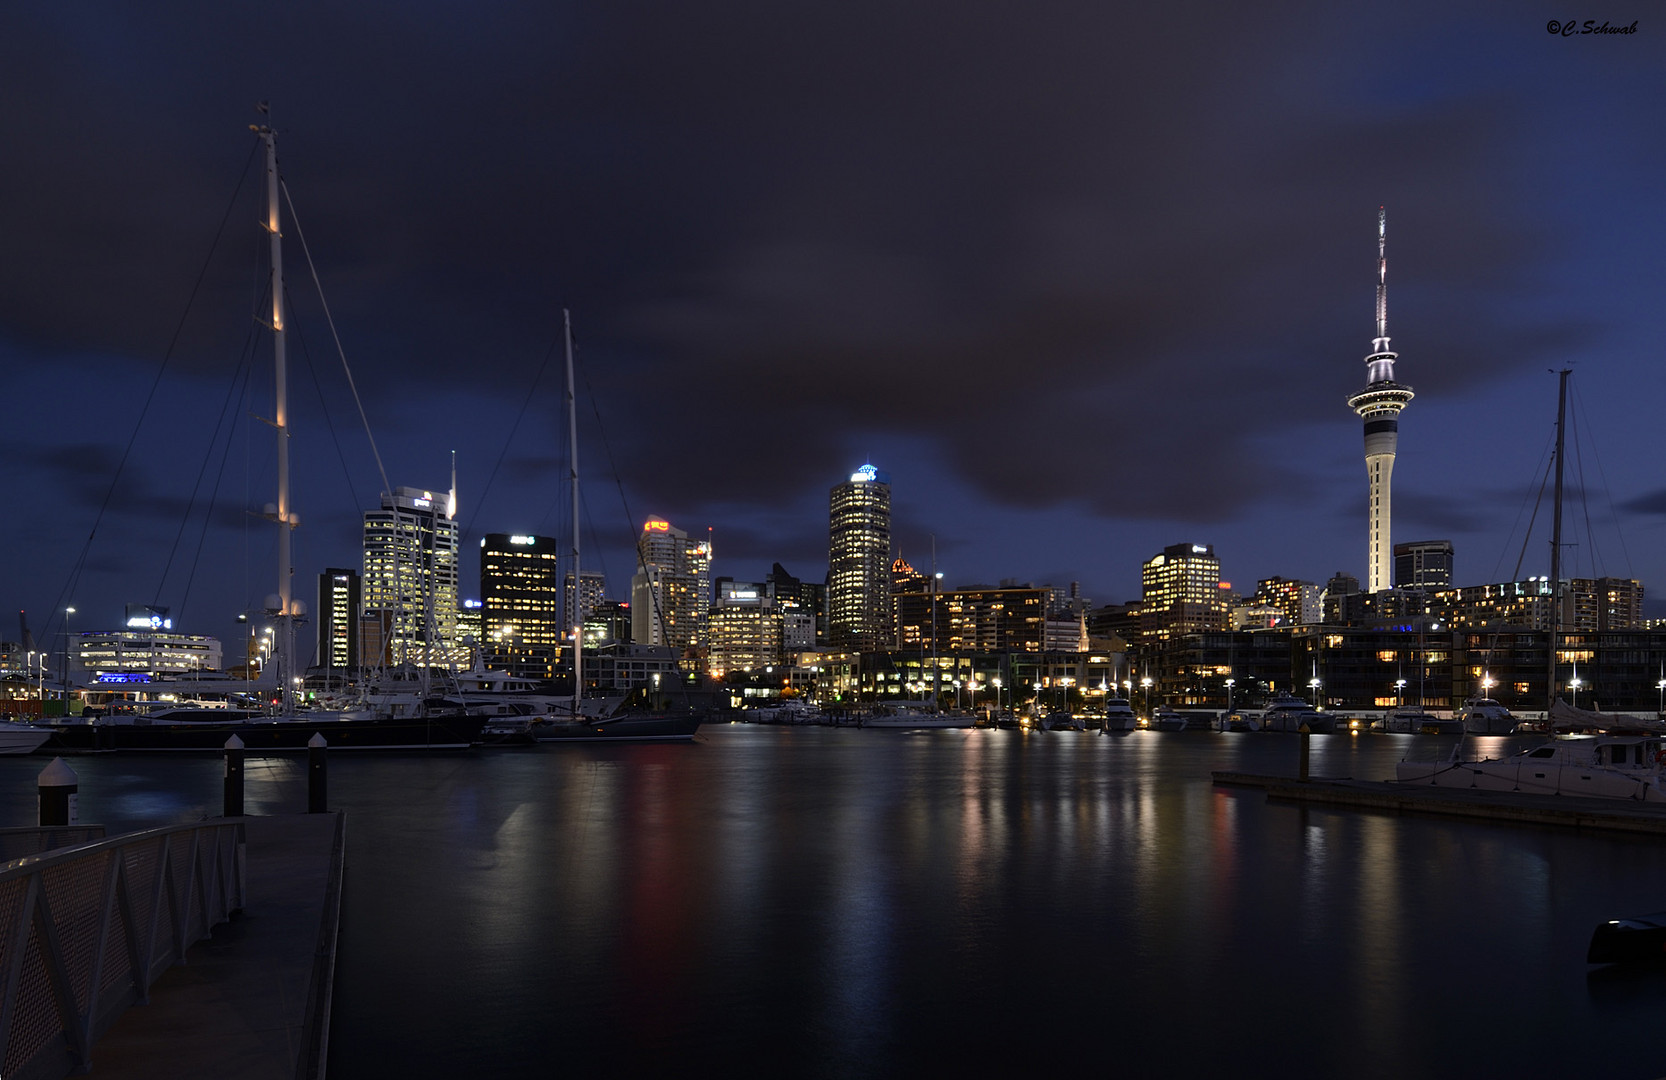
(1113, 264)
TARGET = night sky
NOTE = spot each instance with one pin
(1087, 280)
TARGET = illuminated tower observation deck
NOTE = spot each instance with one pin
(1379, 405)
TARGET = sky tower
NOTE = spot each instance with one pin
(1379, 405)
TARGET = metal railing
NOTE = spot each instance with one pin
(85, 931)
(21, 842)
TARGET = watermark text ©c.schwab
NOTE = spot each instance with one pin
(1589, 26)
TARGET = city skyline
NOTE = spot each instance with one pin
(1074, 332)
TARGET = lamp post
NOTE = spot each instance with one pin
(1145, 682)
(64, 671)
(1661, 686)
(1399, 692)
(997, 682)
(1313, 685)
(1229, 683)
(1573, 685)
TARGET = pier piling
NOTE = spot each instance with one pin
(234, 777)
(317, 780)
(58, 788)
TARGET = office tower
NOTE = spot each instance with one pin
(520, 602)
(803, 607)
(1423, 564)
(410, 573)
(671, 589)
(1180, 592)
(859, 560)
(338, 620)
(1379, 405)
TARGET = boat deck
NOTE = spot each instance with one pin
(1563, 810)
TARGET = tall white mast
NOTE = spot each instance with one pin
(284, 613)
(576, 615)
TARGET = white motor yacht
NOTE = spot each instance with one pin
(1287, 712)
(1119, 715)
(1603, 766)
(1484, 716)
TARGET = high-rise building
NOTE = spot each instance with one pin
(1423, 564)
(1379, 405)
(520, 602)
(410, 572)
(803, 607)
(577, 609)
(671, 590)
(338, 619)
(1180, 592)
(859, 560)
(1297, 602)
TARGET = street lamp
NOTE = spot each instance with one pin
(1145, 682)
(1573, 684)
(1229, 683)
(1661, 686)
(1313, 685)
(65, 669)
(997, 681)
(1399, 692)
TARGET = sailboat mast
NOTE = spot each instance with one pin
(280, 421)
(1556, 542)
(576, 615)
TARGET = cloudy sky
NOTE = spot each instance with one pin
(1085, 279)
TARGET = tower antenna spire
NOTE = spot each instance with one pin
(1382, 279)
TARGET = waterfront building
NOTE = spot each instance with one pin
(338, 619)
(610, 621)
(859, 556)
(1181, 592)
(410, 572)
(471, 623)
(1588, 605)
(671, 590)
(129, 655)
(1379, 406)
(1423, 564)
(620, 667)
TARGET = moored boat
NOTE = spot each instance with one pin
(910, 715)
(1484, 716)
(1167, 720)
(1286, 712)
(1119, 716)
(1600, 766)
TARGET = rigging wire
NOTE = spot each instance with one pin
(232, 389)
(80, 563)
(330, 319)
(323, 406)
(214, 493)
(532, 392)
(1608, 490)
(1544, 456)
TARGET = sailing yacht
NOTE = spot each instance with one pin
(620, 724)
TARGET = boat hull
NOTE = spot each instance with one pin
(19, 739)
(646, 727)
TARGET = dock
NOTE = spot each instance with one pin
(252, 1001)
(1614, 815)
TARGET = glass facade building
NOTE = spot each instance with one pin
(859, 560)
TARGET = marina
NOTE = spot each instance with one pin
(840, 901)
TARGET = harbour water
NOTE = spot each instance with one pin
(831, 902)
